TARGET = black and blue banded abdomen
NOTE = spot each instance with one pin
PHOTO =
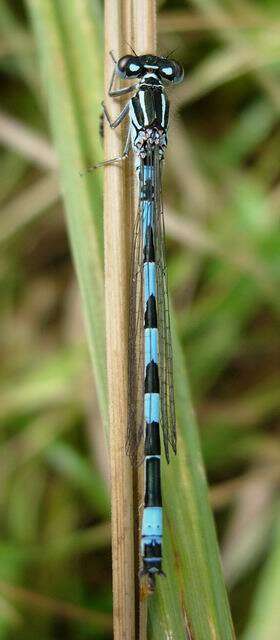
(151, 539)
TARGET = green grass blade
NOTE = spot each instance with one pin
(264, 621)
(197, 607)
(72, 100)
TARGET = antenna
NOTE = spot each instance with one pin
(133, 50)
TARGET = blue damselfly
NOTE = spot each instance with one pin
(150, 367)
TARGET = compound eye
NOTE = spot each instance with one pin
(167, 71)
(178, 72)
(172, 71)
(128, 66)
(134, 68)
(122, 66)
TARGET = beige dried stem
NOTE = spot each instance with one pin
(134, 23)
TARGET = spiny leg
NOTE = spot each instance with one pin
(112, 160)
(117, 93)
(114, 125)
(120, 117)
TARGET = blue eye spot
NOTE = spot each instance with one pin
(134, 67)
(168, 71)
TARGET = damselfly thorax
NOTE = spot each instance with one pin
(149, 115)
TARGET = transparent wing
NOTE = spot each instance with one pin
(168, 417)
(136, 356)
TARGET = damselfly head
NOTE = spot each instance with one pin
(139, 66)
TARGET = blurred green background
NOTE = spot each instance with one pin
(222, 200)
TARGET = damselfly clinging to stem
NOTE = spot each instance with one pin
(150, 368)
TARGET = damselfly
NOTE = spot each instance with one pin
(150, 367)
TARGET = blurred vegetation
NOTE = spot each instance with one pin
(222, 196)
